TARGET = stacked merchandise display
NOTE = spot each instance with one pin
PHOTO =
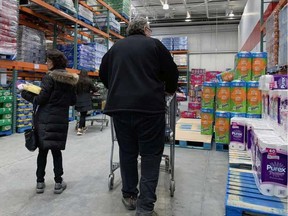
(101, 21)
(175, 43)
(266, 139)
(86, 55)
(283, 37)
(86, 14)
(180, 43)
(196, 80)
(100, 52)
(239, 98)
(272, 39)
(121, 6)
(24, 114)
(31, 46)
(5, 112)
(67, 4)
(8, 27)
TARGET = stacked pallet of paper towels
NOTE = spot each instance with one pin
(269, 163)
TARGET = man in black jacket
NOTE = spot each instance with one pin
(138, 70)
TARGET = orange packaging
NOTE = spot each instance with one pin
(259, 63)
(222, 127)
(208, 94)
(254, 98)
(238, 96)
(207, 119)
(223, 96)
(243, 65)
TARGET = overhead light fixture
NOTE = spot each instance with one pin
(166, 5)
(231, 14)
(188, 15)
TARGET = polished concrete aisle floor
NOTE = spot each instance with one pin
(200, 177)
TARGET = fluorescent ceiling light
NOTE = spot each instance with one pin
(188, 20)
(188, 15)
(231, 14)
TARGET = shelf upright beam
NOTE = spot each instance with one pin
(261, 24)
(75, 63)
(14, 110)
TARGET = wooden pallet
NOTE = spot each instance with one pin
(244, 198)
(240, 159)
(222, 147)
(188, 135)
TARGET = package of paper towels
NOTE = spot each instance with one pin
(270, 165)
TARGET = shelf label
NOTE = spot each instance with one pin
(36, 66)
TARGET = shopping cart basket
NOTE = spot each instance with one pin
(170, 117)
(96, 115)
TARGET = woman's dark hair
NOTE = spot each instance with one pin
(83, 82)
(58, 59)
(136, 26)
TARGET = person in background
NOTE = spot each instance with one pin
(137, 71)
(84, 88)
(51, 119)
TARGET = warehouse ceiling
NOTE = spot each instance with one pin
(189, 12)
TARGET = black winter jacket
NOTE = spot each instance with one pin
(51, 119)
(84, 100)
(138, 70)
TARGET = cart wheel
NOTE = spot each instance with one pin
(111, 181)
(167, 165)
(91, 123)
(172, 188)
(107, 123)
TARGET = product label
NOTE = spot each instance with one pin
(258, 68)
(243, 68)
(237, 132)
(254, 101)
(223, 98)
(222, 127)
(238, 99)
(274, 169)
(280, 82)
(207, 123)
(208, 97)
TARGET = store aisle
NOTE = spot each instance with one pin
(200, 180)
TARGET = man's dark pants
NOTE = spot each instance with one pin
(144, 134)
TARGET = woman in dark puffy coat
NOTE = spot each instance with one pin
(85, 87)
(51, 118)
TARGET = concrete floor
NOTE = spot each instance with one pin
(200, 177)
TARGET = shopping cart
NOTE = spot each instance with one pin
(96, 115)
(170, 117)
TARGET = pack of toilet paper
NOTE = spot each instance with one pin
(270, 164)
(255, 125)
(283, 115)
(237, 133)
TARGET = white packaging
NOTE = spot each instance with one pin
(237, 133)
